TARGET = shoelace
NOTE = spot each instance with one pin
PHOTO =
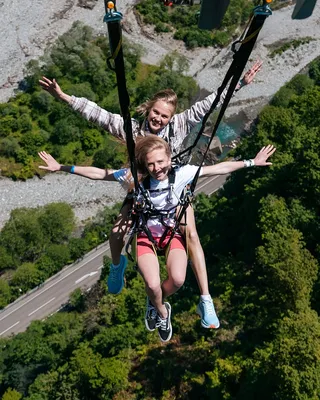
(114, 273)
(162, 323)
(208, 307)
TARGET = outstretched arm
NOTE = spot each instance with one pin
(88, 172)
(113, 123)
(54, 89)
(227, 167)
(192, 116)
(249, 75)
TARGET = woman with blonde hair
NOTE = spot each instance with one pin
(153, 158)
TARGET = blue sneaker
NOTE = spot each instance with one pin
(208, 314)
(116, 276)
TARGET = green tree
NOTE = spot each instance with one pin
(5, 293)
(32, 142)
(44, 387)
(22, 235)
(57, 221)
(11, 394)
(6, 260)
(112, 155)
(64, 132)
(77, 300)
(96, 376)
(300, 84)
(71, 153)
(59, 254)
(291, 270)
(288, 367)
(77, 248)
(91, 140)
(314, 71)
(9, 146)
(26, 277)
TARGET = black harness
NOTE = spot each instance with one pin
(143, 210)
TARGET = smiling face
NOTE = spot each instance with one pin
(159, 115)
(158, 164)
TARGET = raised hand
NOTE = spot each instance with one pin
(52, 164)
(261, 158)
(54, 89)
(251, 73)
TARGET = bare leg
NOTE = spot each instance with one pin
(196, 252)
(119, 230)
(205, 307)
(176, 267)
(149, 268)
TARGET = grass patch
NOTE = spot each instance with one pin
(281, 47)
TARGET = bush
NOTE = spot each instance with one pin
(91, 140)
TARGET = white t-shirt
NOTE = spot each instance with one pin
(163, 200)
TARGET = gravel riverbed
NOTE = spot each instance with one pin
(86, 197)
(28, 27)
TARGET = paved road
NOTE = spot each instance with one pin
(54, 293)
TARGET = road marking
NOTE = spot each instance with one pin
(43, 305)
(101, 266)
(206, 182)
(86, 276)
(215, 190)
(9, 328)
(59, 280)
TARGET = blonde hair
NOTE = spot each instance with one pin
(145, 145)
(166, 95)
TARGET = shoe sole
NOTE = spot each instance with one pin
(122, 278)
(204, 325)
(148, 329)
(170, 326)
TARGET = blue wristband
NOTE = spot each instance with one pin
(72, 169)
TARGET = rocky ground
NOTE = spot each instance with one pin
(28, 27)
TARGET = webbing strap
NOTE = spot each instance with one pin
(112, 18)
(234, 73)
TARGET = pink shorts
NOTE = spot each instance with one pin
(144, 245)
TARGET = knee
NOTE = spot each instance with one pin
(192, 236)
(178, 281)
(153, 285)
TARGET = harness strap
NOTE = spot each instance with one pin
(146, 211)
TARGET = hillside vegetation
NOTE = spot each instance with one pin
(34, 121)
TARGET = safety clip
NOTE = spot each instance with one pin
(111, 14)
